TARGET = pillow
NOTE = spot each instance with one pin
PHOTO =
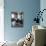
(21, 42)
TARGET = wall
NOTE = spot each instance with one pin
(1, 21)
(43, 6)
(29, 7)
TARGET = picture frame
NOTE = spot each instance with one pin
(17, 19)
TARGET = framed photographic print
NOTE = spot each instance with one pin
(17, 19)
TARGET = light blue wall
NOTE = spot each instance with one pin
(29, 7)
(43, 6)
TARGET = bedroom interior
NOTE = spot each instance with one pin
(31, 33)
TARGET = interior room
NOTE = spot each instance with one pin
(22, 23)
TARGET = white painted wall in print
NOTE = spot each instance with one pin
(1, 21)
(1, 25)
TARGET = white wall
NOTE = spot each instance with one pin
(1, 21)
